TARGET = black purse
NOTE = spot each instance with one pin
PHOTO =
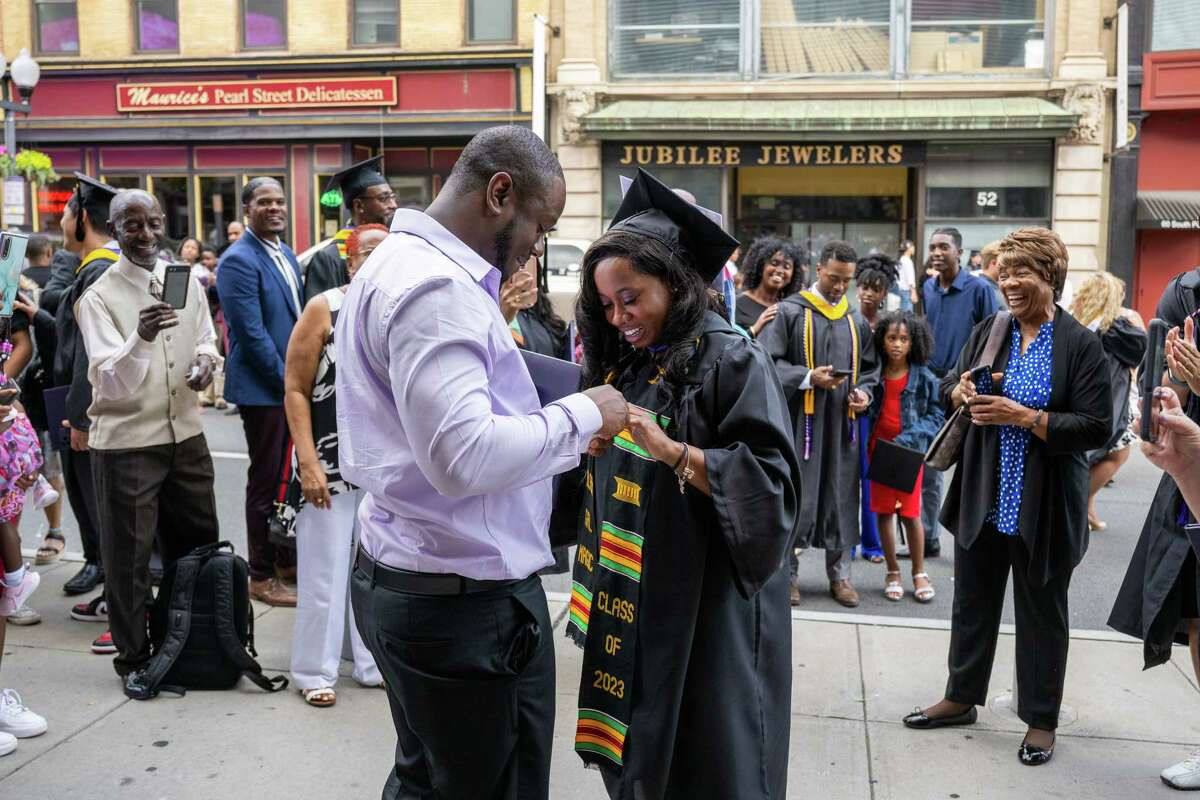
(946, 448)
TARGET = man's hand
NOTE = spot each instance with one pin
(79, 439)
(823, 378)
(155, 318)
(763, 319)
(1177, 450)
(612, 407)
(518, 293)
(200, 374)
(25, 305)
(859, 401)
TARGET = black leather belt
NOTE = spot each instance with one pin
(403, 580)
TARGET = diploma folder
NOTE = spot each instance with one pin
(553, 378)
(895, 466)
(55, 401)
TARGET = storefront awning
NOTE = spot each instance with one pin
(921, 118)
(1169, 211)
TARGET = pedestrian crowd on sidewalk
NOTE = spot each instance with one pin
(399, 455)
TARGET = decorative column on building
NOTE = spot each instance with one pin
(574, 92)
(1079, 178)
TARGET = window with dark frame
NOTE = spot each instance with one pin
(157, 24)
(264, 24)
(56, 24)
(375, 22)
(491, 20)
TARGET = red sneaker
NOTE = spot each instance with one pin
(104, 646)
(95, 610)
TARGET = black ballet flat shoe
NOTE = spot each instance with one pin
(1032, 756)
(921, 721)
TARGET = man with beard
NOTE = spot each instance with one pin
(825, 355)
(443, 431)
(955, 302)
(150, 461)
(258, 282)
(370, 200)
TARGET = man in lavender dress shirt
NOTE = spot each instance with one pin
(440, 424)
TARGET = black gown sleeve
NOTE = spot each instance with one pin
(1125, 342)
(62, 275)
(79, 396)
(326, 270)
(753, 468)
(1089, 423)
(776, 339)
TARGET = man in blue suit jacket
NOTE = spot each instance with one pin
(258, 281)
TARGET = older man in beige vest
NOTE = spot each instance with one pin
(150, 460)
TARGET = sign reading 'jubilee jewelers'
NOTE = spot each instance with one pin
(265, 94)
(768, 154)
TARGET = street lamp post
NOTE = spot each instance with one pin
(24, 76)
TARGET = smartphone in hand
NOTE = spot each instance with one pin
(1150, 376)
(175, 285)
(982, 378)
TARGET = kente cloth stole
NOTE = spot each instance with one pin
(604, 610)
(339, 239)
(831, 313)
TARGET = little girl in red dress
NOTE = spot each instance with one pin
(908, 412)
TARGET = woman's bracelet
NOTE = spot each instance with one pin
(1037, 419)
(678, 461)
(686, 473)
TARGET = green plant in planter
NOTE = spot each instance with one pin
(32, 165)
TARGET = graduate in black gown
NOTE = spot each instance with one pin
(1158, 601)
(369, 198)
(680, 590)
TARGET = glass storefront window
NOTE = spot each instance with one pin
(987, 189)
(219, 205)
(122, 181)
(412, 191)
(172, 193)
(376, 22)
(492, 20)
(958, 36)
(1176, 25)
(675, 37)
(825, 37)
(50, 199)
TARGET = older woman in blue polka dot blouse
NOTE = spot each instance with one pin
(1018, 501)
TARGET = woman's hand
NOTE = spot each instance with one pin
(964, 391)
(314, 486)
(995, 409)
(1177, 451)
(650, 436)
(1183, 359)
(763, 319)
(517, 294)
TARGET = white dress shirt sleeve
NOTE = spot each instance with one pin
(116, 366)
(438, 364)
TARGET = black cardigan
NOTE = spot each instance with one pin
(1053, 520)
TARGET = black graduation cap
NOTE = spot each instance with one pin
(95, 198)
(652, 209)
(357, 178)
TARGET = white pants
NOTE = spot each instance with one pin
(325, 540)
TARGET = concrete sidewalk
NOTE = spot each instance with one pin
(855, 677)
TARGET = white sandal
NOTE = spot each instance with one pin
(894, 590)
(323, 697)
(925, 593)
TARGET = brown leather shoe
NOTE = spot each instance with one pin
(272, 592)
(795, 594)
(844, 593)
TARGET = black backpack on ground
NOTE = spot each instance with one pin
(202, 628)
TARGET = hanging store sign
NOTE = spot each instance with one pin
(257, 94)
(768, 154)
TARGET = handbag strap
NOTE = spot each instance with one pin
(995, 338)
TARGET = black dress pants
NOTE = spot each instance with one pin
(142, 491)
(980, 578)
(266, 441)
(470, 680)
(81, 494)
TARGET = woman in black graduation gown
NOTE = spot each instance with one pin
(1018, 500)
(1158, 601)
(680, 591)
